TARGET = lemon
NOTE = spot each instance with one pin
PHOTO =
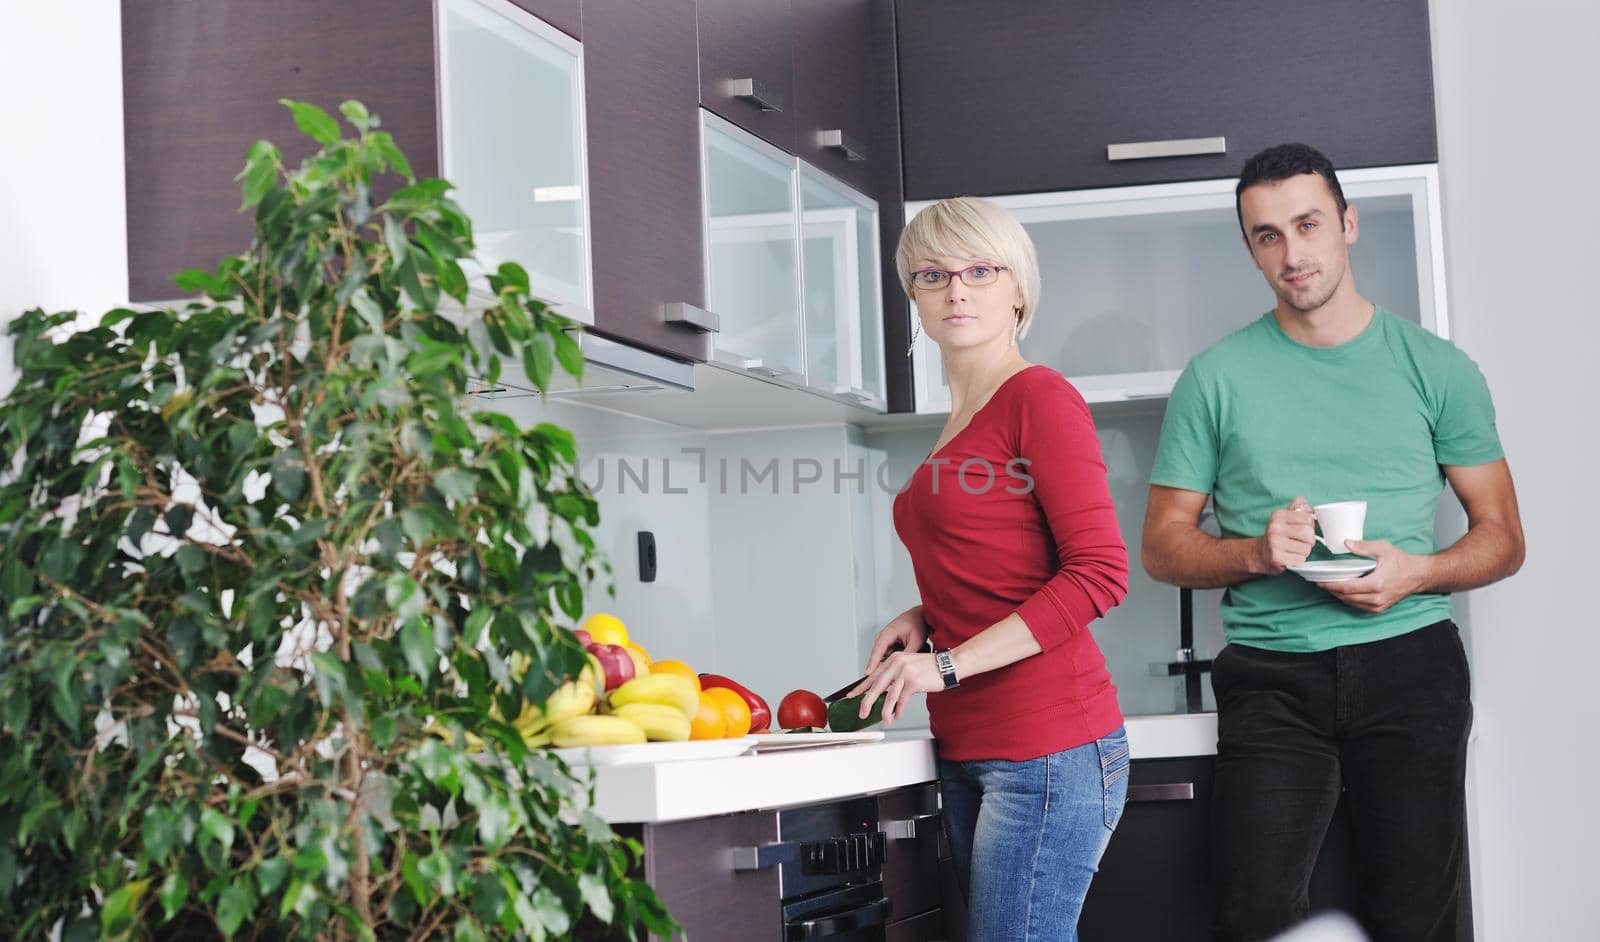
(605, 629)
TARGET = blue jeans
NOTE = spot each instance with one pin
(1027, 836)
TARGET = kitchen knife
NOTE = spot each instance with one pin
(840, 693)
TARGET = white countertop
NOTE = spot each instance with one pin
(698, 788)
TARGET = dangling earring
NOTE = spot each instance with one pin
(1016, 322)
(916, 331)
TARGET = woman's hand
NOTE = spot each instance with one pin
(900, 675)
(908, 628)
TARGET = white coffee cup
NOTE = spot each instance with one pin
(1340, 523)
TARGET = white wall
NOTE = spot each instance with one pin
(644, 480)
(63, 223)
(1518, 139)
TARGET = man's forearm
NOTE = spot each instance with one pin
(1488, 552)
(1184, 555)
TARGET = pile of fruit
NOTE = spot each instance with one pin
(623, 696)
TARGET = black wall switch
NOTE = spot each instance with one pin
(647, 556)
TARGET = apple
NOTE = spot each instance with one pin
(615, 662)
(583, 638)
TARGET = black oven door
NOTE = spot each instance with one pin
(852, 914)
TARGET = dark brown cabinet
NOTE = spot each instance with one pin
(747, 66)
(640, 73)
(565, 15)
(837, 95)
(1015, 96)
(201, 82)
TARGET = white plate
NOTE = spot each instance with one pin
(1334, 570)
(773, 742)
(656, 751)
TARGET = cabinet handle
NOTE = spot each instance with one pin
(907, 829)
(736, 360)
(758, 94)
(862, 917)
(1187, 147)
(689, 315)
(855, 394)
(1177, 791)
(840, 141)
(765, 855)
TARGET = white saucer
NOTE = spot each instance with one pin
(1334, 570)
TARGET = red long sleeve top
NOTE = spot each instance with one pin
(1014, 514)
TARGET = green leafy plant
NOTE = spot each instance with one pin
(263, 566)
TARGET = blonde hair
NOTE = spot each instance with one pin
(968, 227)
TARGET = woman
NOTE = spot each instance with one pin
(1016, 548)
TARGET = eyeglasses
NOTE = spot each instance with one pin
(975, 276)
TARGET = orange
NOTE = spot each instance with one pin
(734, 710)
(672, 666)
(605, 629)
(708, 721)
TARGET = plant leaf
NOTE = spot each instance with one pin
(312, 121)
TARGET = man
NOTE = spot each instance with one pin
(1359, 686)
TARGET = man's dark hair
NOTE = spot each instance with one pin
(1281, 163)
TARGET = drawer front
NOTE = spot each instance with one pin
(910, 819)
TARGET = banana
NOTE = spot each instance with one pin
(587, 730)
(667, 689)
(573, 698)
(535, 740)
(661, 723)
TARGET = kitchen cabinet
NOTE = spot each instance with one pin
(480, 91)
(1137, 280)
(201, 82)
(511, 139)
(644, 173)
(838, 90)
(752, 233)
(747, 66)
(1015, 96)
(843, 299)
(792, 270)
(565, 15)
(911, 822)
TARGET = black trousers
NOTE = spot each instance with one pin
(1385, 722)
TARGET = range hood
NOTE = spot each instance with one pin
(609, 367)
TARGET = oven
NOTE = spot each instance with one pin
(830, 871)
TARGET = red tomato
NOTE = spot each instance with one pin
(802, 708)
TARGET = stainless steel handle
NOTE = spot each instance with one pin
(855, 394)
(1149, 392)
(1176, 791)
(1186, 147)
(765, 855)
(699, 318)
(862, 917)
(757, 94)
(907, 829)
(736, 360)
(838, 140)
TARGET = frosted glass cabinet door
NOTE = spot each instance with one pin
(1137, 280)
(513, 144)
(843, 301)
(752, 253)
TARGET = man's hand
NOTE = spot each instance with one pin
(1291, 532)
(1399, 574)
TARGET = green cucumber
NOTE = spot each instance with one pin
(843, 715)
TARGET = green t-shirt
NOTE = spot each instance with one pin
(1260, 418)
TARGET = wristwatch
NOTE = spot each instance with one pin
(947, 668)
